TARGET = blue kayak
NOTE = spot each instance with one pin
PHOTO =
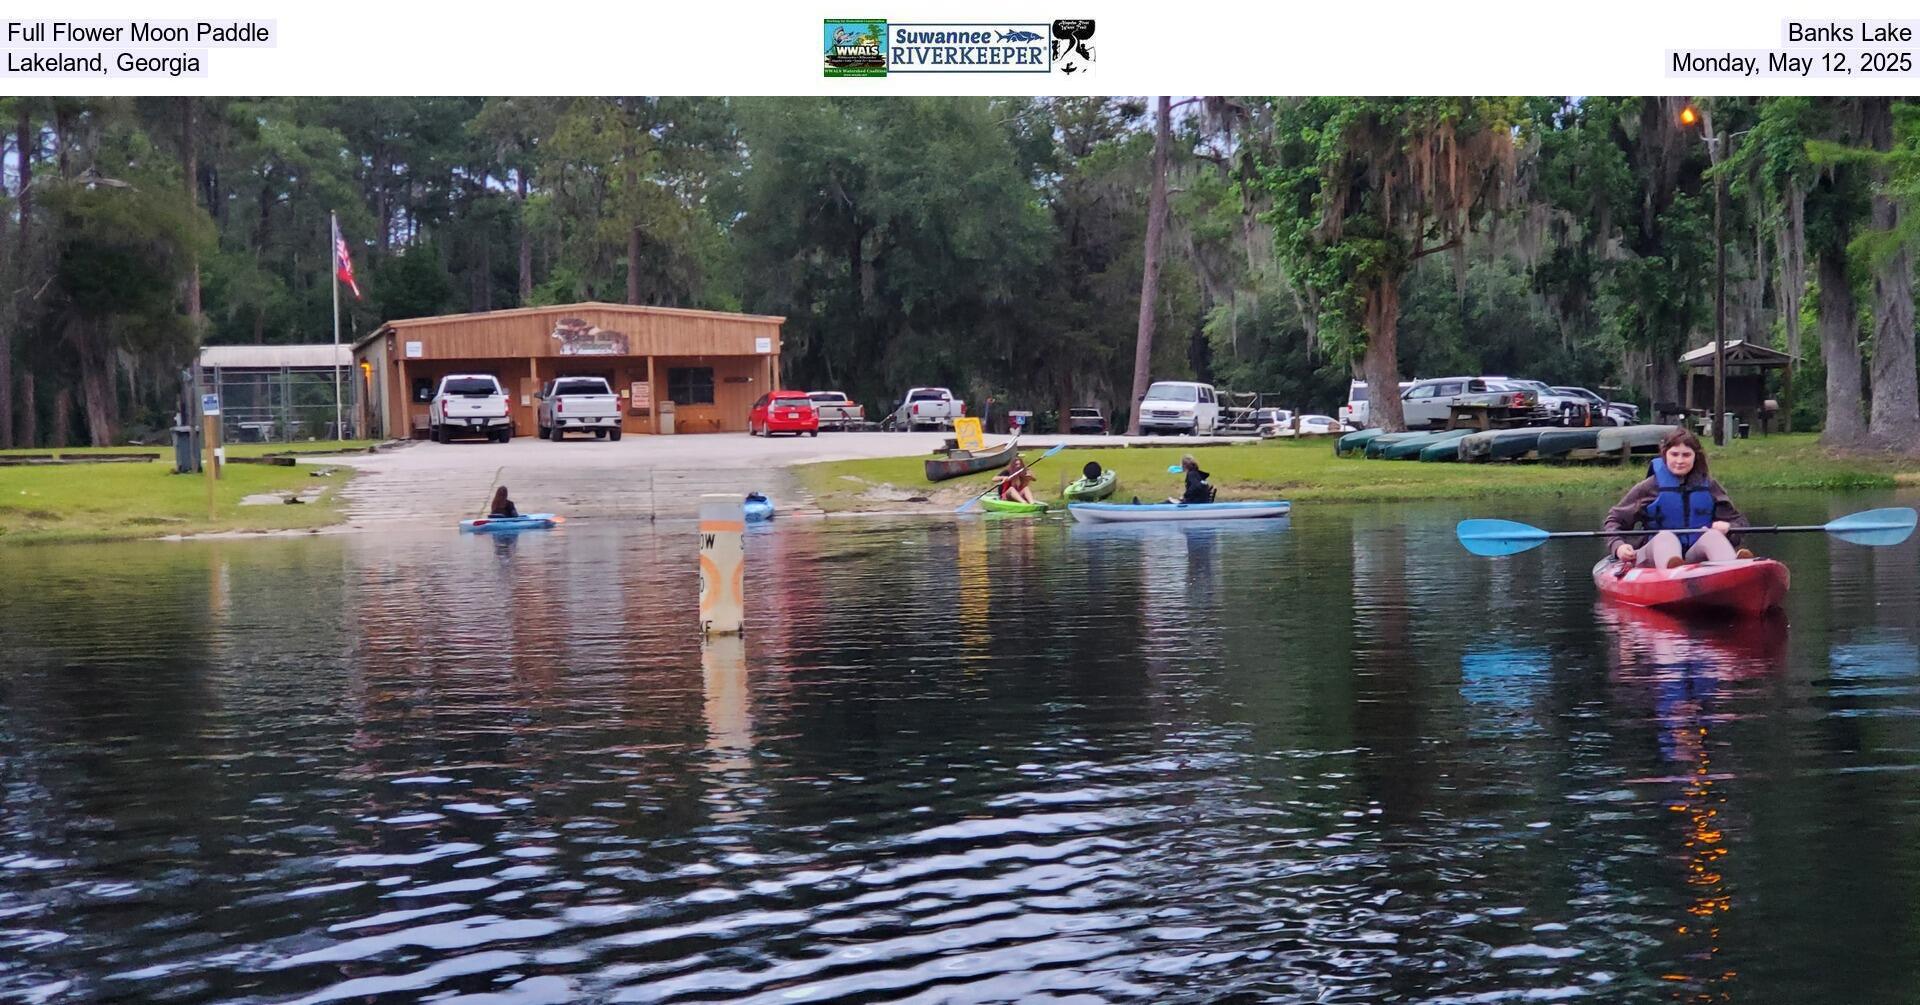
(757, 507)
(509, 524)
(1141, 512)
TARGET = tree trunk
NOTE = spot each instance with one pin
(1792, 239)
(26, 147)
(190, 167)
(1895, 420)
(29, 147)
(1840, 348)
(1382, 361)
(1150, 272)
(633, 264)
(62, 415)
(29, 412)
(526, 245)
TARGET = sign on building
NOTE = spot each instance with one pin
(414, 350)
(578, 337)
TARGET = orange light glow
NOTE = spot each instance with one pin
(1688, 116)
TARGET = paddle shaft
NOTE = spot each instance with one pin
(997, 479)
(1778, 529)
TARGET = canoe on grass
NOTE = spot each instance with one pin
(1560, 442)
(1488, 445)
(508, 524)
(1444, 450)
(1352, 442)
(1741, 586)
(1632, 437)
(1411, 448)
(961, 462)
(994, 504)
(1143, 512)
(1083, 490)
(1376, 446)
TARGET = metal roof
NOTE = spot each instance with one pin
(273, 357)
(1739, 353)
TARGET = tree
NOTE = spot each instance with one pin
(1150, 265)
(1364, 188)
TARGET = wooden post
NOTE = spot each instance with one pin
(209, 430)
(403, 416)
(722, 564)
(1786, 418)
(653, 399)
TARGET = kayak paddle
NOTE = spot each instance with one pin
(971, 503)
(1874, 528)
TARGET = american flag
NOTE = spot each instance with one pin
(343, 266)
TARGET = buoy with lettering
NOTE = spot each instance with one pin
(722, 565)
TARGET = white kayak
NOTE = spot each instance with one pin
(1613, 438)
(1143, 512)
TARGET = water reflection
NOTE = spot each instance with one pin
(949, 761)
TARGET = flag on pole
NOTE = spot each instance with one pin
(343, 262)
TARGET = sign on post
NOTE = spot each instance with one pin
(722, 564)
(966, 433)
(209, 404)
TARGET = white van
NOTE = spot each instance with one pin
(1179, 406)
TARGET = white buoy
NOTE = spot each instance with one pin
(722, 565)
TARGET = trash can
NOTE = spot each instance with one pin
(666, 417)
(186, 455)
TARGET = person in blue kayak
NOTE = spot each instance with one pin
(502, 506)
(1198, 490)
(1690, 510)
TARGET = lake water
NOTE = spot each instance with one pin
(953, 761)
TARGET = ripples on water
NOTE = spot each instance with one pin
(993, 760)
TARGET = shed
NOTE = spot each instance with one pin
(1747, 365)
(711, 365)
(279, 393)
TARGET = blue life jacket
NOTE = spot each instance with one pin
(1679, 505)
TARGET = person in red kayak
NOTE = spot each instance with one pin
(1692, 513)
(1014, 485)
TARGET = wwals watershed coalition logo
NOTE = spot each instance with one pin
(869, 47)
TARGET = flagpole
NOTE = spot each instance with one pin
(333, 269)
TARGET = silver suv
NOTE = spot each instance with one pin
(1429, 403)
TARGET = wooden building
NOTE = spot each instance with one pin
(1746, 383)
(710, 365)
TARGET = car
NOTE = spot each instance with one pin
(1179, 406)
(1086, 420)
(783, 412)
(1311, 425)
(1619, 413)
(836, 411)
(1355, 412)
(928, 407)
(577, 404)
(1429, 404)
(469, 404)
(1561, 409)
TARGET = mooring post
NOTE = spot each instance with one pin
(722, 564)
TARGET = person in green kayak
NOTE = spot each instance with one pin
(502, 506)
(1198, 490)
(1016, 484)
(1691, 512)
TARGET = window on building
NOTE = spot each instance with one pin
(690, 385)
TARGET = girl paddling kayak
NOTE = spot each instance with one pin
(1692, 513)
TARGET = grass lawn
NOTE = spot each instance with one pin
(104, 502)
(1308, 470)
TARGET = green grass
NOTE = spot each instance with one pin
(1306, 470)
(106, 502)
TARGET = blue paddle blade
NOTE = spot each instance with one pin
(1173, 469)
(1875, 528)
(1494, 538)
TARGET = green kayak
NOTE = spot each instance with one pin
(1377, 447)
(1560, 442)
(994, 505)
(1099, 488)
(1353, 442)
(1443, 450)
(1412, 447)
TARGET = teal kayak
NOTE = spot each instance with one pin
(509, 524)
(1412, 447)
(1443, 450)
(1083, 490)
(1560, 442)
(1497, 443)
(1377, 447)
(994, 505)
(1353, 442)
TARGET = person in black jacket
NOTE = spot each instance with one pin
(1198, 489)
(502, 506)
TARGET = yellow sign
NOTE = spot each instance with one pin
(967, 431)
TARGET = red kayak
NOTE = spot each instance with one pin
(1742, 586)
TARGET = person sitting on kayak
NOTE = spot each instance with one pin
(502, 506)
(1692, 513)
(1013, 486)
(1198, 490)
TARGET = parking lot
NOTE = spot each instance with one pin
(638, 478)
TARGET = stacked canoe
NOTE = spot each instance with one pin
(1547, 443)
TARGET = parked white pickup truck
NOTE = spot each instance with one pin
(836, 412)
(928, 408)
(578, 404)
(469, 404)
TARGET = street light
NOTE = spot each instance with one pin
(1690, 117)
